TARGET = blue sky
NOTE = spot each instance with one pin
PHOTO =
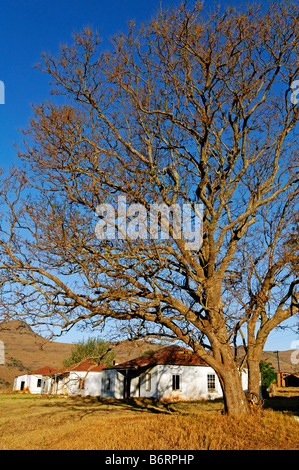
(30, 27)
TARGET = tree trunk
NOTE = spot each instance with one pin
(253, 361)
(235, 401)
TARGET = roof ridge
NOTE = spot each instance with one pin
(76, 366)
(39, 371)
(173, 354)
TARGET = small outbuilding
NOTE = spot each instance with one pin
(171, 373)
(33, 381)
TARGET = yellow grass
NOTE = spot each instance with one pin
(31, 422)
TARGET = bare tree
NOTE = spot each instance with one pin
(185, 110)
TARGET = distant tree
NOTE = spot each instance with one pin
(268, 374)
(148, 351)
(94, 349)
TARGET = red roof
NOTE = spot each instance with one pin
(169, 355)
(47, 370)
(83, 366)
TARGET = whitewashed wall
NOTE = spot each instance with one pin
(18, 380)
(71, 384)
(192, 382)
(30, 382)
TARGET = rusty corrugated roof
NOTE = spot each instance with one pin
(83, 366)
(47, 370)
(168, 355)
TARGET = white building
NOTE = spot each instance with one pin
(33, 381)
(84, 379)
(171, 373)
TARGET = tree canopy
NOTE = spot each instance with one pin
(94, 349)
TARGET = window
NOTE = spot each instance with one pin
(211, 379)
(148, 379)
(39, 382)
(176, 382)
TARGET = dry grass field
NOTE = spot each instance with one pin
(32, 423)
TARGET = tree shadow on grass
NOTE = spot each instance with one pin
(156, 406)
(91, 405)
(149, 405)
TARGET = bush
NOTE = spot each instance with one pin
(268, 375)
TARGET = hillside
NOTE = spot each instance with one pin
(281, 364)
(25, 351)
(284, 358)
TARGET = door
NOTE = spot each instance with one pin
(22, 385)
(127, 386)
